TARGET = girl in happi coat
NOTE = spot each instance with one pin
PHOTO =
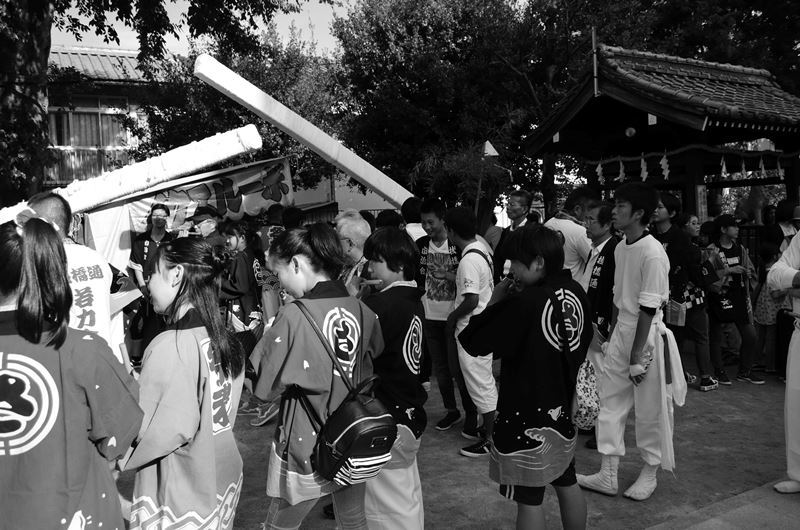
(67, 406)
(188, 468)
(290, 360)
(541, 335)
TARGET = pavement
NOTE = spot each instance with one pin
(729, 447)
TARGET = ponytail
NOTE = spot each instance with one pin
(318, 242)
(34, 266)
(200, 289)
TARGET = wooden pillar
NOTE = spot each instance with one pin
(792, 181)
(692, 186)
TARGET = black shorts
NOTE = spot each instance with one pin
(532, 495)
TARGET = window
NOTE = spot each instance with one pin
(92, 122)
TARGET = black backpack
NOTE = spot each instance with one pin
(356, 441)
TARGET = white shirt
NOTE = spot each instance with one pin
(781, 274)
(507, 263)
(474, 276)
(576, 244)
(594, 253)
(640, 278)
(90, 280)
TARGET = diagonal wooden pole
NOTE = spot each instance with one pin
(265, 106)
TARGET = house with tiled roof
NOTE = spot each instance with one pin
(677, 122)
(92, 89)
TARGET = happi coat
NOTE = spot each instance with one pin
(289, 359)
(534, 438)
(64, 415)
(188, 468)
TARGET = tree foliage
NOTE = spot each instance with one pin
(179, 108)
(433, 79)
(25, 27)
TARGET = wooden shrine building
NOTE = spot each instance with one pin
(684, 125)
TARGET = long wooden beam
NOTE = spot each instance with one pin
(84, 195)
(265, 106)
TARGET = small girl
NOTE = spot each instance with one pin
(291, 361)
(242, 282)
(188, 468)
(69, 407)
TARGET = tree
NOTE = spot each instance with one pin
(25, 27)
(432, 77)
(179, 108)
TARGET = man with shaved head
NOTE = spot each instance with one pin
(89, 274)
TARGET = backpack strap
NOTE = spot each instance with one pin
(327, 344)
(483, 254)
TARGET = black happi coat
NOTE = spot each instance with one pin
(534, 438)
(399, 311)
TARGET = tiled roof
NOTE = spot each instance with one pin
(721, 91)
(99, 64)
(692, 101)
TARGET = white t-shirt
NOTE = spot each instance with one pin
(640, 278)
(439, 291)
(576, 244)
(90, 280)
(474, 276)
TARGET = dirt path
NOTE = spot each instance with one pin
(727, 442)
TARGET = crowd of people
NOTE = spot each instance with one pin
(233, 314)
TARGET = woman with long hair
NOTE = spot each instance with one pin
(69, 407)
(293, 364)
(188, 468)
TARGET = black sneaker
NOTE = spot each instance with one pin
(481, 448)
(474, 434)
(450, 419)
(708, 383)
(750, 377)
(723, 378)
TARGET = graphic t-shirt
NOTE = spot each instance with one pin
(440, 292)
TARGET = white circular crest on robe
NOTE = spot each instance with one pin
(29, 403)
(573, 320)
(343, 332)
(412, 345)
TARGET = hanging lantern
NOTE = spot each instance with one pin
(761, 167)
(780, 169)
(643, 165)
(744, 170)
(621, 175)
(723, 169)
(599, 171)
(664, 163)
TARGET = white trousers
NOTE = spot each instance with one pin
(618, 395)
(792, 407)
(393, 499)
(479, 379)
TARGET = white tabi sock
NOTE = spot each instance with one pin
(645, 485)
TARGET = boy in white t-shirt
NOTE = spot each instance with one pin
(642, 367)
(473, 292)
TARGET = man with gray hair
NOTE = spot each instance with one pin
(353, 232)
